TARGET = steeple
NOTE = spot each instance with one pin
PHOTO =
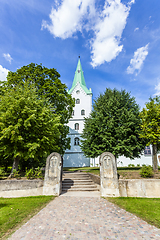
(79, 78)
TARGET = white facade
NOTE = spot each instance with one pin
(122, 161)
(74, 156)
(83, 105)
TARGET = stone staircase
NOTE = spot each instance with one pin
(77, 181)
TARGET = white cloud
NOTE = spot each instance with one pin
(67, 18)
(7, 56)
(108, 31)
(157, 88)
(136, 62)
(107, 26)
(136, 29)
(3, 73)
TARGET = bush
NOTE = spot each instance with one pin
(131, 165)
(38, 173)
(29, 173)
(146, 172)
(2, 172)
(16, 174)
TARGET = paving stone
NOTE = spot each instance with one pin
(72, 217)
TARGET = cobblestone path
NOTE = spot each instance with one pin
(85, 218)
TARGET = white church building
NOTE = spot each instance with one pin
(83, 106)
(74, 156)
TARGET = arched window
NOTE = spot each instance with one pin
(82, 112)
(77, 101)
(147, 150)
(76, 141)
(76, 126)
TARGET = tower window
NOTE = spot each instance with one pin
(147, 150)
(76, 141)
(76, 126)
(77, 91)
(83, 112)
(77, 101)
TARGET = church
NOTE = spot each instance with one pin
(74, 156)
(83, 106)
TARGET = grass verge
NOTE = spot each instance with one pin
(124, 172)
(14, 212)
(96, 170)
(147, 209)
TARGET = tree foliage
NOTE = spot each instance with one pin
(48, 86)
(113, 126)
(28, 127)
(150, 127)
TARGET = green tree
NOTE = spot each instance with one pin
(150, 127)
(47, 85)
(113, 126)
(28, 127)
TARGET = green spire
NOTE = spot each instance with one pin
(79, 78)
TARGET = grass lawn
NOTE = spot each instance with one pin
(147, 209)
(124, 172)
(96, 170)
(16, 211)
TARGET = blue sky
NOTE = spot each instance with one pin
(118, 41)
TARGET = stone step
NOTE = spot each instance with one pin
(79, 189)
(77, 183)
(74, 173)
(92, 185)
(75, 176)
(76, 180)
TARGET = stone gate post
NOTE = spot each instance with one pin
(108, 175)
(53, 175)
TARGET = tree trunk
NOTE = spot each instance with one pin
(154, 158)
(15, 165)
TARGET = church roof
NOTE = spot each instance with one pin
(79, 78)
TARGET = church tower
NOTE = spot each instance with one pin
(83, 105)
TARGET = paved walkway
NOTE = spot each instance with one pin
(72, 217)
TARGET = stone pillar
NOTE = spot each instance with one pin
(53, 175)
(108, 175)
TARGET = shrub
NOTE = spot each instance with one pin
(16, 173)
(38, 173)
(146, 172)
(1, 171)
(29, 173)
(131, 165)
